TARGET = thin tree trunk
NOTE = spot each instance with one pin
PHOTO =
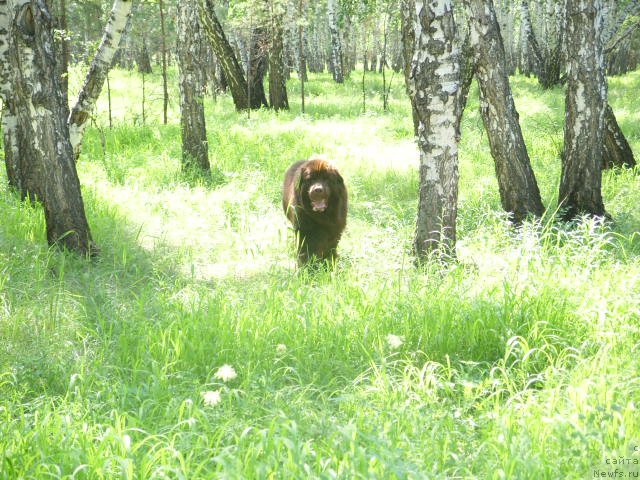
(302, 58)
(144, 100)
(302, 55)
(120, 14)
(109, 102)
(163, 46)
(435, 82)
(519, 192)
(28, 81)
(385, 38)
(581, 179)
(143, 59)
(336, 44)
(195, 155)
(224, 52)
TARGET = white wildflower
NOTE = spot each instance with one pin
(225, 373)
(126, 440)
(394, 341)
(211, 398)
(281, 348)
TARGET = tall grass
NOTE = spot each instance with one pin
(519, 361)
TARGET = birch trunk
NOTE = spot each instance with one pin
(12, 140)
(519, 192)
(435, 83)
(585, 102)
(525, 60)
(163, 48)
(408, 13)
(257, 68)
(301, 36)
(224, 52)
(32, 90)
(120, 14)
(617, 152)
(195, 155)
(336, 44)
(62, 47)
(532, 49)
(277, 82)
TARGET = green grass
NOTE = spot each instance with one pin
(521, 361)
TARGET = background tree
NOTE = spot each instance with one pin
(257, 63)
(336, 43)
(277, 81)
(163, 51)
(621, 35)
(408, 11)
(544, 47)
(224, 53)
(192, 82)
(580, 181)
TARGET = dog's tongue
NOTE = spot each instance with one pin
(319, 205)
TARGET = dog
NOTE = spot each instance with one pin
(315, 201)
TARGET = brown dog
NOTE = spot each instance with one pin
(314, 199)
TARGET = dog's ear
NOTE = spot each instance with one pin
(299, 180)
(338, 177)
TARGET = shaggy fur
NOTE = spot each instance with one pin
(314, 199)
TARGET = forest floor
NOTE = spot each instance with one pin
(518, 361)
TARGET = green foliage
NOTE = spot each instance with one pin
(518, 362)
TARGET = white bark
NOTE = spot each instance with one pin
(586, 99)
(191, 82)
(39, 146)
(97, 74)
(519, 192)
(336, 44)
(434, 85)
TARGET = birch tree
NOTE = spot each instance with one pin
(336, 43)
(617, 151)
(546, 54)
(529, 49)
(257, 66)
(41, 154)
(519, 192)
(97, 74)
(434, 84)
(192, 83)
(585, 102)
(277, 82)
(233, 73)
(408, 12)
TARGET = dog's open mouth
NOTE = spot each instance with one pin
(319, 205)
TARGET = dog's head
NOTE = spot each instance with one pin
(319, 184)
